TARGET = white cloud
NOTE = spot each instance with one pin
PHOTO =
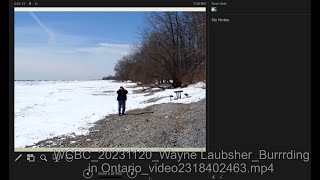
(109, 45)
(106, 48)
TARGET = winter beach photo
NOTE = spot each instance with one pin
(84, 80)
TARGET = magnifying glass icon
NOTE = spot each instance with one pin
(43, 157)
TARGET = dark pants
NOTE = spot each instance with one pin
(121, 104)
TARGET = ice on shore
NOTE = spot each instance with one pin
(44, 109)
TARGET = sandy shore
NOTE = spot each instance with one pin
(162, 125)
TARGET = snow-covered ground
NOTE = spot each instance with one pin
(44, 109)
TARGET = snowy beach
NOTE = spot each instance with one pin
(46, 109)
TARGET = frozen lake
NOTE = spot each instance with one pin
(44, 109)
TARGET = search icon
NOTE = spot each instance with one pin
(43, 157)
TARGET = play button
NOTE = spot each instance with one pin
(131, 174)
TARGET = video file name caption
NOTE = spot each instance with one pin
(221, 168)
(70, 155)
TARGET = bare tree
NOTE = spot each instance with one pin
(172, 47)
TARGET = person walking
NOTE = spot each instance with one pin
(122, 97)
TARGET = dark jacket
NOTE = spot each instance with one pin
(122, 94)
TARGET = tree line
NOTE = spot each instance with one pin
(172, 48)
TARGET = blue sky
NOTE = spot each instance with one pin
(73, 45)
